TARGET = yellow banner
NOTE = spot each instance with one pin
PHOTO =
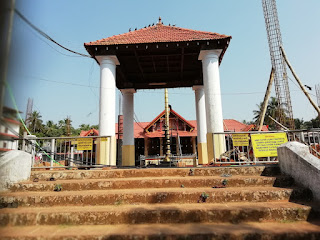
(240, 140)
(265, 145)
(84, 144)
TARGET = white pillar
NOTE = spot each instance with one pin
(211, 82)
(107, 113)
(128, 154)
(201, 124)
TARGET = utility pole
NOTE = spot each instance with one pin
(167, 123)
(68, 122)
(6, 49)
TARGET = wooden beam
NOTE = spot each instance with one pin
(182, 61)
(168, 63)
(154, 65)
(299, 82)
(137, 57)
(266, 99)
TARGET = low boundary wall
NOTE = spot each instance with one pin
(15, 166)
(296, 161)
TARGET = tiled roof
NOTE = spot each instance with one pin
(139, 128)
(12, 121)
(171, 112)
(157, 34)
(233, 125)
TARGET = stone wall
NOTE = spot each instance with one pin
(15, 166)
(296, 161)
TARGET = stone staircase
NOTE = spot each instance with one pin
(253, 202)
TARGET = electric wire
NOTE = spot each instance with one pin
(47, 36)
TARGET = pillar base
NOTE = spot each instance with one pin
(128, 156)
(216, 146)
(219, 143)
(202, 153)
(106, 151)
(210, 147)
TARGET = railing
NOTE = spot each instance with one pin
(61, 152)
(174, 160)
(263, 150)
(81, 152)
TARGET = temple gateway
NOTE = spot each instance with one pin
(159, 56)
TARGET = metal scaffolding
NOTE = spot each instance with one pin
(285, 115)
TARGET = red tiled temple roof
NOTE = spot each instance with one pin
(157, 34)
(139, 129)
(171, 112)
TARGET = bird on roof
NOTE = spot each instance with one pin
(149, 25)
(310, 88)
(135, 29)
(129, 29)
(152, 24)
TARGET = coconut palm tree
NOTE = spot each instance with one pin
(273, 110)
(51, 129)
(35, 121)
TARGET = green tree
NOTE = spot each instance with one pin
(84, 127)
(51, 129)
(273, 110)
(35, 122)
(313, 123)
(299, 123)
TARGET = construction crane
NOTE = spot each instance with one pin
(285, 115)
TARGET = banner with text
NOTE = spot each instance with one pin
(265, 145)
(84, 144)
(240, 140)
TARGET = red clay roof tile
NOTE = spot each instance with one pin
(157, 34)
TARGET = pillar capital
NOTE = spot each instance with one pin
(204, 54)
(197, 87)
(128, 91)
(108, 59)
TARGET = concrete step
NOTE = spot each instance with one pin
(155, 172)
(270, 231)
(156, 213)
(151, 196)
(153, 182)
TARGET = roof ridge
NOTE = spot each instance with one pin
(119, 39)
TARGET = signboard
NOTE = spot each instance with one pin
(84, 144)
(240, 140)
(265, 145)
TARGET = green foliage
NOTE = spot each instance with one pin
(51, 129)
(301, 124)
(35, 122)
(203, 197)
(57, 188)
(225, 182)
(273, 110)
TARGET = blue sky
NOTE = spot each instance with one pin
(52, 76)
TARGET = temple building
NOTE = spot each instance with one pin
(153, 57)
(149, 136)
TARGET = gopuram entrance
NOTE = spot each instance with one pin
(159, 56)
